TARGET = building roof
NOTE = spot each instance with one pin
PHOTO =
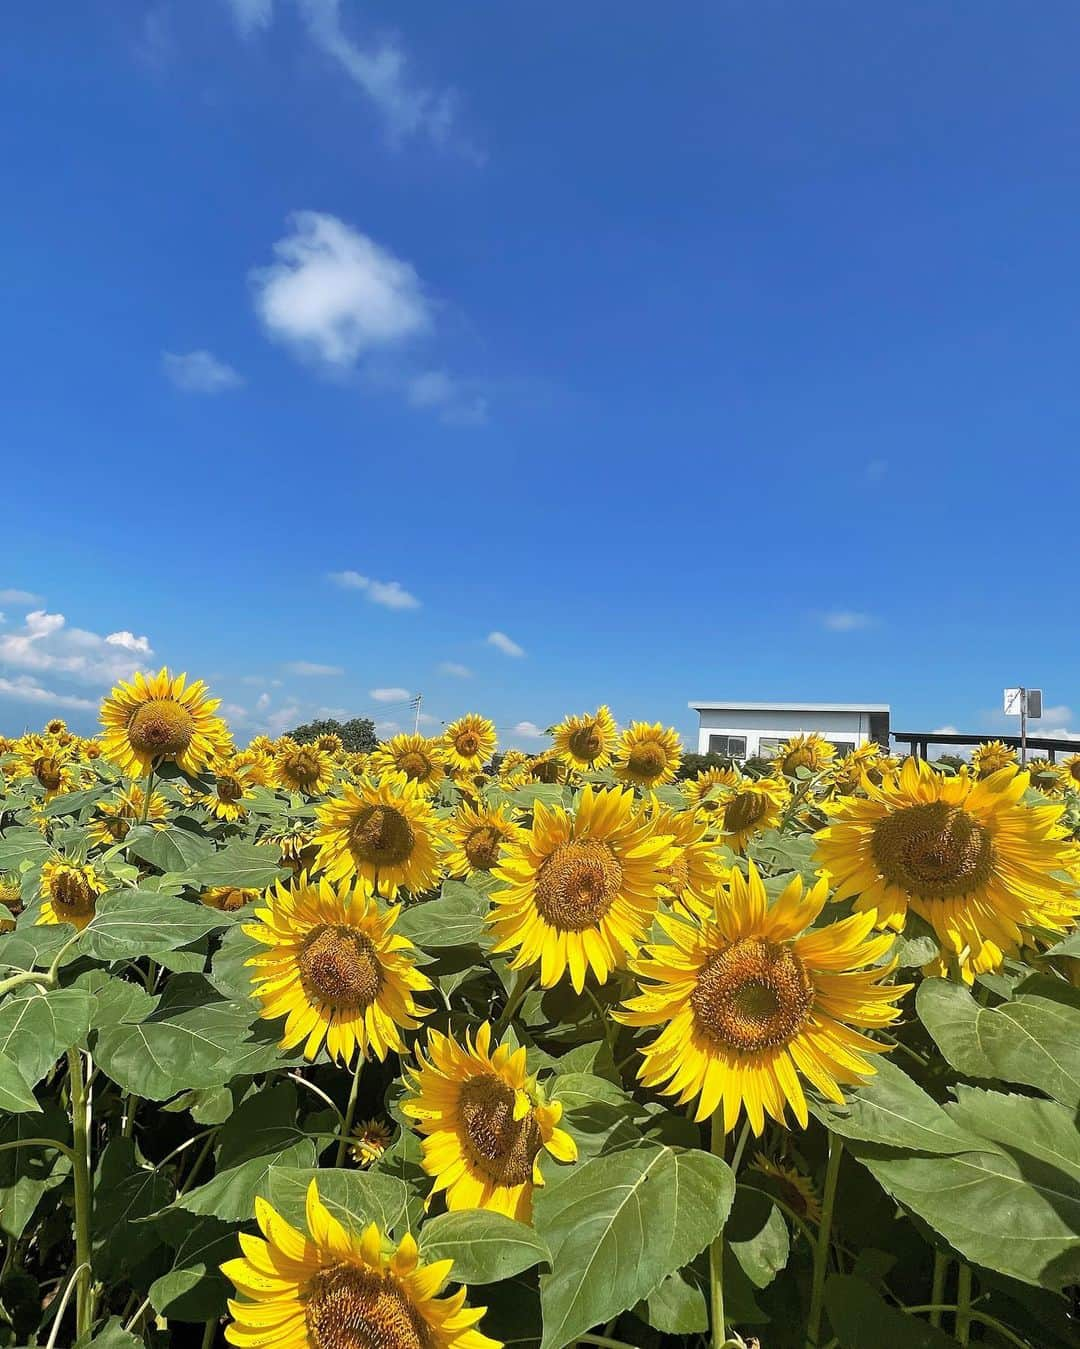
(788, 707)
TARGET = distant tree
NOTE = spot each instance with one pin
(693, 764)
(357, 735)
(953, 761)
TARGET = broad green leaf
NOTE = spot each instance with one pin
(485, 1247)
(142, 922)
(231, 1193)
(22, 845)
(547, 793)
(248, 866)
(1026, 1128)
(73, 802)
(229, 972)
(757, 1236)
(116, 1000)
(110, 1336)
(194, 1288)
(625, 1223)
(125, 1192)
(861, 1318)
(33, 947)
(28, 1173)
(677, 1305)
(355, 1198)
(171, 849)
(37, 1027)
(890, 1109)
(1068, 946)
(16, 1094)
(456, 919)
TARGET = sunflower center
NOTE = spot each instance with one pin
(71, 891)
(752, 995)
(576, 885)
(798, 758)
(339, 966)
(744, 811)
(347, 1307)
(677, 875)
(161, 727)
(49, 773)
(414, 765)
(229, 788)
(482, 847)
(586, 742)
(503, 1148)
(467, 743)
(933, 850)
(304, 768)
(382, 836)
(546, 770)
(647, 760)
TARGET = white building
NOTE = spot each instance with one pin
(745, 730)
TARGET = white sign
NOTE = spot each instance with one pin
(1012, 702)
(1015, 700)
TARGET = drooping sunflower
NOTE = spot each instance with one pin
(648, 755)
(114, 819)
(547, 767)
(295, 844)
(159, 717)
(1045, 777)
(846, 776)
(372, 1138)
(70, 892)
(303, 768)
(693, 869)
(420, 759)
(579, 890)
(747, 1001)
(700, 791)
(386, 833)
(1069, 772)
(477, 836)
(966, 854)
(231, 794)
(469, 743)
(791, 1185)
(586, 742)
(748, 807)
(992, 757)
(336, 970)
(811, 751)
(485, 1122)
(228, 898)
(333, 1289)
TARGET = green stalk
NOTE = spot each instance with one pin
(350, 1111)
(49, 978)
(937, 1288)
(821, 1252)
(517, 996)
(963, 1304)
(81, 1175)
(716, 1250)
(148, 787)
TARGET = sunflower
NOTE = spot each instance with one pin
(257, 765)
(295, 844)
(700, 791)
(1069, 772)
(966, 854)
(52, 765)
(847, 773)
(90, 749)
(748, 807)
(70, 891)
(329, 744)
(357, 763)
(261, 744)
(512, 762)
(478, 835)
(1045, 777)
(579, 890)
(469, 743)
(385, 832)
(586, 742)
(233, 782)
(115, 819)
(336, 970)
(420, 759)
(57, 726)
(303, 768)
(332, 1289)
(748, 1000)
(485, 1123)
(812, 752)
(991, 758)
(694, 868)
(547, 768)
(11, 904)
(789, 1184)
(372, 1139)
(648, 756)
(227, 898)
(158, 717)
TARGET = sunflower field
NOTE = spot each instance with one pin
(446, 1048)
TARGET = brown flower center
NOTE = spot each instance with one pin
(72, 892)
(415, 766)
(339, 966)
(482, 847)
(647, 760)
(228, 898)
(751, 996)
(229, 788)
(577, 884)
(467, 744)
(49, 772)
(349, 1307)
(804, 757)
(503, 1148)
(586, 742)
(161, 727)
(744, 811)
(545, 770)
(303, 767)
(381, 836)
(933, 850)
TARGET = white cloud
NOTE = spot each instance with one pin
(128, 640)
(45, 642)
(251, 15)
(19, 597)
(1059, 713)
(389, 695)
(25, 689)
(284, 719)
(943, 730)
(385, 729)
(437, 390)
(454, 670)
(505, 644)
(199, 372)
(262, 702)
(337, 294)
(234, 713)
(310, 667)
(845, 620)
(390, 594)
(528, 730)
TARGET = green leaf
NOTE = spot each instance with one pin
(485, 1247)
(547, 793)
(1027, 1128)
(757, 1236)
(110, 1336)
(194, 1288)
(248, 866)
(171, 849)
(22, 845)
(231, 1194)
(31, 947)
(73, 802)
(860, 1318)
(125, 1192)
(627, 1221)
(456, 919)
(677, 1305)
(37, 1027)
(142, 922)
(26, 1174)
(16, 1094)
(117, 1001)
(890, 1109)
(355, 1198)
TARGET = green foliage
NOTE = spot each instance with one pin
(357, 735)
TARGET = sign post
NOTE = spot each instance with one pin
(1023, 703)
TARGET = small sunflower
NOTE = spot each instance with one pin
(11, 904)
(846, 777)
(335, 970)
(579, 890)
(329, 744)
(296, 845)
(70, 892)
(478, 834)
(747, 808)
(386, 833)
(469, 743)
(233, 781)
(228, 898)
(57, 726)
(358, 763)
(420, 759)
(547, 768)
(114, 819)
(50, 764)
(992, 757)
(90, 749)
(485, 1123)
(159, 717)
(372, 1139)
(694, 868)
(648, 756)
(1045, 777)
(747, 1000)
(1069, 772)
(700, 791)
(811, 751)
(966, 854)
(303, 768)
(789, 1184)
(586, 742)
(333, 1289)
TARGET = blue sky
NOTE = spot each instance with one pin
(719, 351)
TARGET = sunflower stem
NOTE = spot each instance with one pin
(209, 1334)
(717, 1140)
(81, 1176)
(821, 1251)
(517, 996)
(50, 976)
(962, 1329)
(937, 1288)
(148, 787)
(350, 1111)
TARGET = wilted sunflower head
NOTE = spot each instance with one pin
(303, 768)
(547, 768)
(586, 742)
(11, 904)
(790, 1185)
(69, 890)
(812, 752)
(991, 758)
(159, 718)
(295, 844)
(648, 755)
(227, 898)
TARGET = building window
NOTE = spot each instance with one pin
(769, 746)
(843, 747)
(728, 746)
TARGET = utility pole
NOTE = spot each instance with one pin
(416, 702)
(1023, 727)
